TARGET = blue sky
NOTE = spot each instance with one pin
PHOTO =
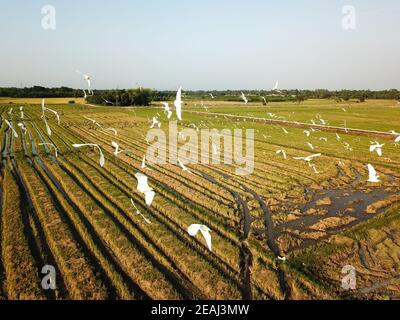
(208, 44)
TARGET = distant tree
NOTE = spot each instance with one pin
(299, 98)
(132, 97)
(337, 99)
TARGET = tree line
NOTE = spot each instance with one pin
(144, 96)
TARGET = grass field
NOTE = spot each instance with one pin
(381, 115)
(77, 216)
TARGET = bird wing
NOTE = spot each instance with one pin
(207, 236)
(114, 144)
(181, 164)
(372, 171)
(144, 162)
(179, 94)
(47, 126)
(55, 113)
(143, 185)
(166, 105)
(43, 108)
(89, 119)
(12, 129)
(149, 196)
(133, 204)
(397, 139)
(101, 159)
(193, 229)
(178, 108)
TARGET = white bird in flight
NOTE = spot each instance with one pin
(211, 95)
(307, 133)
(143, 165)
(396, 134)
(314, 168)
(55, 113)
(116, 147)
(194, 126)
(205, 231)
(244, 98)
(310, 145)
(91, 120)
(275, 88)
(111, 129)
(308, 158)
(284, 130)
(87, 79)
(373, 177)
(283, 152)
(178, 103)
(265, 100)
(12, 129)
(184, 168)
(107, 101)
(376, 146)
(99, 125)
(138, 212)
(347, 146)
(51, 145)
(101, 159)
(167, 109)
(44, 119)
(143, 187)
(21, 109)
(22, 126)
(155, 123)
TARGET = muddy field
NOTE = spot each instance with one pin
(283, 232)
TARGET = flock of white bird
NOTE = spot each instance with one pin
(142, 180)
(374, 147)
